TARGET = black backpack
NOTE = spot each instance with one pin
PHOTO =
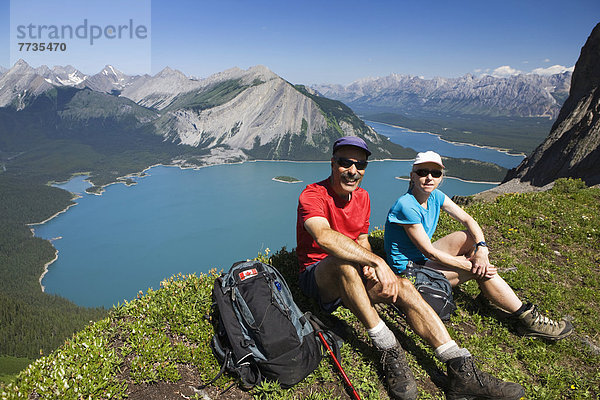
(261, 333)
(434, 288)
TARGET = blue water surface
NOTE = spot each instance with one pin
(423, 141)
(130, 238)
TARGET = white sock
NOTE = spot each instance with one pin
(450, 350)
(381, 336)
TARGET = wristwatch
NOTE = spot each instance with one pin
(480, 244)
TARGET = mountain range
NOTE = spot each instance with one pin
(235, 114)
(523, 95)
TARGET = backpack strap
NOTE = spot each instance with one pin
(249, 380)
(225, 353)
(333, 340)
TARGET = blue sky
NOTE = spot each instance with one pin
(314, 41)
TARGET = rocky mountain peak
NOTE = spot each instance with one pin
(110, 71)
(110, 80)
(168, 72)
(22, 81)
(248, 76)
(21, 68)
(69, 69)
(21, 64)
(572, 149)
(64, 76)
(261, 73)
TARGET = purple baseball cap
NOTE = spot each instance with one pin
(351, 141)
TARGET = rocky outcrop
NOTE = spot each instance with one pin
(260, 113)
(572, 148)
(242, 121)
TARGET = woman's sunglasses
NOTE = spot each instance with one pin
(436, 173)
(347, 163)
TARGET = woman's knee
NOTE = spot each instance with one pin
(496, 280)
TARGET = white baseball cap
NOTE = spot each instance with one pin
(428, 156)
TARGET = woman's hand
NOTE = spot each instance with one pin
(481, 266)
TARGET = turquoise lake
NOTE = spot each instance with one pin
(173, 220)
(423, 141)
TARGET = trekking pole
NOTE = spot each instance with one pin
(339, 366)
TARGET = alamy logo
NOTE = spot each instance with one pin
(85, 30)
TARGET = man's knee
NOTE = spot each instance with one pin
(333, 274)
(407, 291)
(349, 272)
(332, 270)
(408, 296)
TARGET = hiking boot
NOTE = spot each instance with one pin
(466, 382)
(533, 324)
(398, 376)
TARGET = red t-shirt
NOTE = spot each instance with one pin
(350, 218)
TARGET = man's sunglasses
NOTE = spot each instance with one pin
(347, 163)
(436, 173)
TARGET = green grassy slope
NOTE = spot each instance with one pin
(545, 244)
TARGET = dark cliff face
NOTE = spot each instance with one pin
(572, 148)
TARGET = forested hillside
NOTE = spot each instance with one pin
(31, 322)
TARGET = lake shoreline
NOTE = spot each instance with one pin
(46, 266)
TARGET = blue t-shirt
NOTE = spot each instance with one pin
(407, 211)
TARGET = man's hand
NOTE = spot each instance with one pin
(388, 280)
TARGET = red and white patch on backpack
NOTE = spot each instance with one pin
(249, 273)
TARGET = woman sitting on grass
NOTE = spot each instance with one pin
(460, 256)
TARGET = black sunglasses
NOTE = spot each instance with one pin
(436, 173)
(347, 163)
